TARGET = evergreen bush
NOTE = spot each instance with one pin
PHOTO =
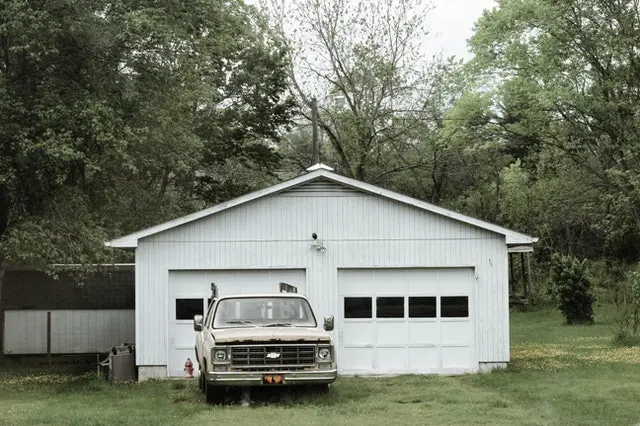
(571, 287)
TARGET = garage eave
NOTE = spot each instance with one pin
(123, 243)
(131, 241)
(520, 249)
(516, 239)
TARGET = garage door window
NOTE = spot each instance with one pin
(187, 308)
(357, 307)
(390, 307)
(454, 307)
(422, 307)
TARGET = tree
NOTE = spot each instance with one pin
(562, 85)
(363, 61)
(245, 110)
(111, 111)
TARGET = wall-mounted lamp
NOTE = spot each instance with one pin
(317, 244)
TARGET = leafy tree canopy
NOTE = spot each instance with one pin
(119, 114)
(560, 86)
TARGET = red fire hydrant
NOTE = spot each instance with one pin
(188, 368)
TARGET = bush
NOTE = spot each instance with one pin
(571, 287)
(626, 298)
(626, 340)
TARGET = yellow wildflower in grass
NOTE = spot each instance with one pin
(589, 338)
(625, 355)
(571, 352)
(40, 380)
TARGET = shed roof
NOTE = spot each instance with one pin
(321, 171)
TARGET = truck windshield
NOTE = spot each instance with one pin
(263, 312)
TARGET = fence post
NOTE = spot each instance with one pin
(49, 337)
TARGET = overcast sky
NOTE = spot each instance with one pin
(451, 24)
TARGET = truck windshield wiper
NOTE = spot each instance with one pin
(278, 324)
(238, 322)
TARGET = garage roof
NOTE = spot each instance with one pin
(321, 171)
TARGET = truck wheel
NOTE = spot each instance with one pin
(201, 380)
(213, 394)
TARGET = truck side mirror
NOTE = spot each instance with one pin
(328, 323)
(197, 322)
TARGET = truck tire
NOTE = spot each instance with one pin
(201, 380)
(213, 394)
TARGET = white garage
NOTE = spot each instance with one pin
(414, 288)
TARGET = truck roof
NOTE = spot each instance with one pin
(245, 295)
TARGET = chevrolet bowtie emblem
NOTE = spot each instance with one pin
(273, 355)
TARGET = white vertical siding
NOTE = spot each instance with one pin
(72, 331)
(358, 230)
(25, 332)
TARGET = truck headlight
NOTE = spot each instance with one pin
(220, 355)
(324, 354)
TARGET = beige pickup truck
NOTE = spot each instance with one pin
(262, 340)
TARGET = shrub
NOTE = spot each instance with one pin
(626, 298)
(571, 287)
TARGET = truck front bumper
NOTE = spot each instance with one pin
(256, 378)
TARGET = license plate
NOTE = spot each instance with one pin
(273, 379)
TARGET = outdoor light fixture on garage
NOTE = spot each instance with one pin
(317, 244)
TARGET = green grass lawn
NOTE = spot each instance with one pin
(559, 375)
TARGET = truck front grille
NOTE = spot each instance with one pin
(256, 356)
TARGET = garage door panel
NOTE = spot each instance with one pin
(188, 282)
(456, 357)
(357, 359)
(359, 283)
(424, 359)
(454, 281)
(358, 333)
(226, 281)
(419, 280)
(421, 333)
(392, 333)
(391, 360)
(456, 332)
(182, 339)
(387, 283)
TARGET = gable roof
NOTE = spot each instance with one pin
(320, 171)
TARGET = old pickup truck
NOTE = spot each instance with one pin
(262, 340)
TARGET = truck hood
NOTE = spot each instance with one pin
(265, 334)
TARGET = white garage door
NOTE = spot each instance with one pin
(189, 293)
(395, 321)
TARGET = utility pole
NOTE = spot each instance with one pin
(314, 124)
